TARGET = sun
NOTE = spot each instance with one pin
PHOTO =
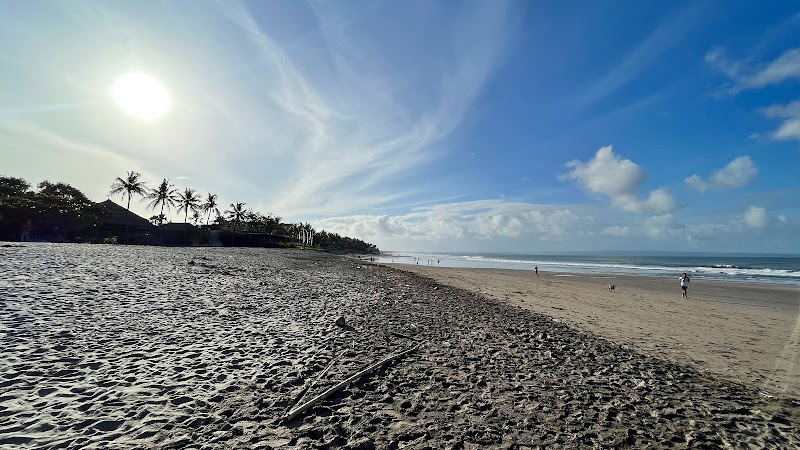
(141, 96)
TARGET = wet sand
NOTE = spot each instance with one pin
(135, 347)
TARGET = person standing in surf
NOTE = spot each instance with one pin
(684, 285)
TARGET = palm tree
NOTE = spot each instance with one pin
(163, 195)
(187, 201)
(236, 214)
(210, 205)
(129, 186)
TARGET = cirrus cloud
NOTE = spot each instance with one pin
(745, 76)
(786, 66)
(790, 114)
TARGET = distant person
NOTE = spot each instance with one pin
(684, 285)
(536, 269)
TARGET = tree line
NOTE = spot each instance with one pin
(59, 211)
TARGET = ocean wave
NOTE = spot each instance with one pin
(771, 270)
(733, 270)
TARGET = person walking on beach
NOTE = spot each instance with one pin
(536, 270)
(684, 285)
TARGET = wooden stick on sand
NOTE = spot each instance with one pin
(404, 336)
(309, 404)
(314, 382)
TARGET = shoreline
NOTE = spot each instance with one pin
(747, 332)
(705, 270)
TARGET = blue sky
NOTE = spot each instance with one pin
(442, 126)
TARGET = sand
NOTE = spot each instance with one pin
(743, 331)
(135, 347)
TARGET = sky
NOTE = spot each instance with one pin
(470, 126)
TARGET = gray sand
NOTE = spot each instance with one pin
(130, 347)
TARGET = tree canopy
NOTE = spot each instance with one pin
(58, 211)
(55, 211)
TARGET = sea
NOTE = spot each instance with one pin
(779, 269)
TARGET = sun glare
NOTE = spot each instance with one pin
(141, 96)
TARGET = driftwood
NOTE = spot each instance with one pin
(338, 387)
(404, 336)
(317, 378)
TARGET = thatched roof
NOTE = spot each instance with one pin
(118, 215)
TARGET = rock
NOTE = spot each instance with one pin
(340, 322)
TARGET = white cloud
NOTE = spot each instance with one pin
(716, 58)
(755, 217)
(619, 179)
(489, 225)
(707, 231)
(791, 109)
(790, 126)
(736, 174)
(658, 227)
(789, 129)
(782, 219)
(617, 230)
(607, 174)
(659, 200)
(784, 67)
(483, 219)
(744, 76)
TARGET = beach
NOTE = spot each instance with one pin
(145, 347)
(742, 331)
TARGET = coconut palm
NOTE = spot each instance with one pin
(210, 205)
(187, 201)
(129, 186)
(235, 215)
(163, 195)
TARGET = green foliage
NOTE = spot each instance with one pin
(158, 220)
(336, 243)
(62, 210)
(188, 201)
(236, 214)
(12, 188)
(295, 245)
(164, 196)
(16, 206)
(57, 211)
(128, 186)
(210, 205)
(255, 222)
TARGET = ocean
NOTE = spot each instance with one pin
(781, 269)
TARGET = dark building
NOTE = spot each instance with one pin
(117, 219)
